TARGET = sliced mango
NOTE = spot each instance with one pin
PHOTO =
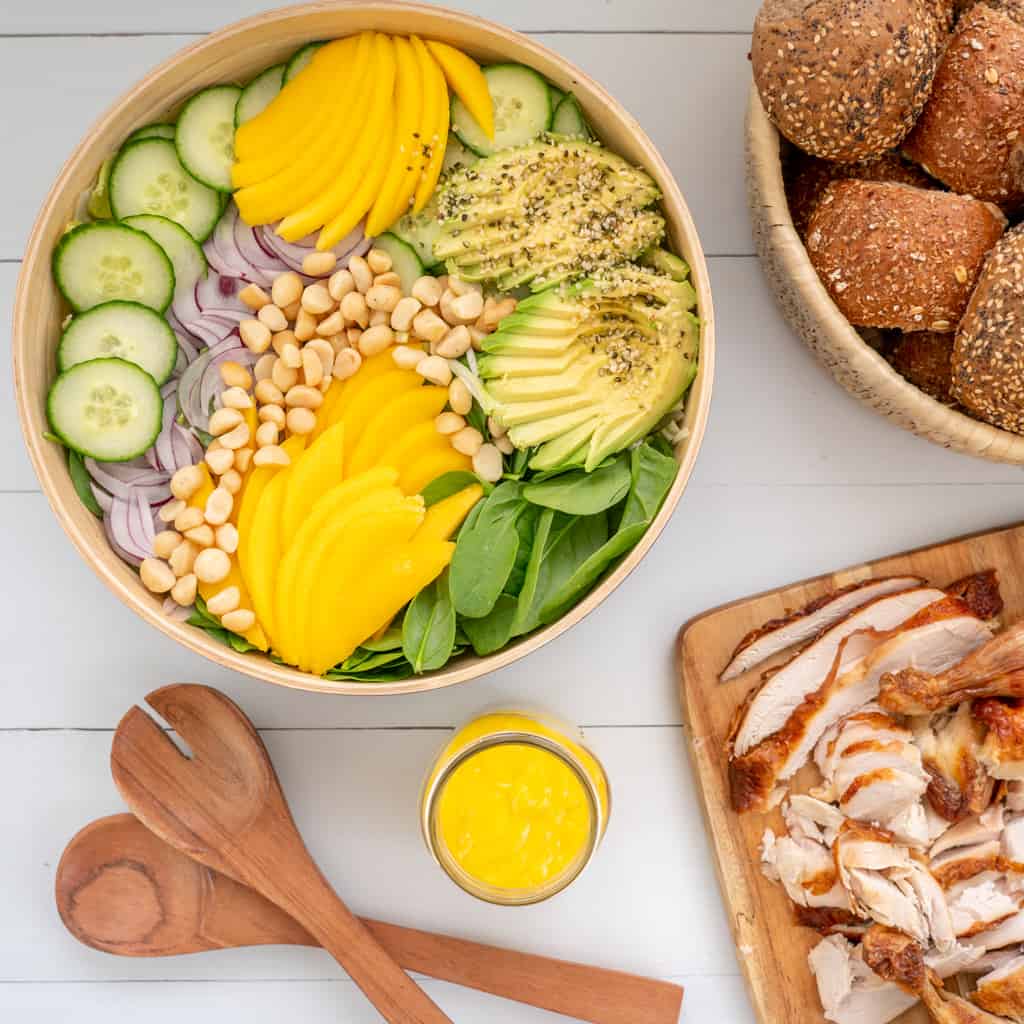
(198, 499)
(358, 155)
(363, 402)
(249, 498)
(316, 471)
(396, 579)
(445, 517)
(414, 478)
(437, 133)
(313, 167)
(467, 81)
(291, 108)
(268, 142)
(409, 106)
(416, 443)
(423, 136)
(353, 206)
(375, 501)
(399, 415)
(331, 395)
(298, 571)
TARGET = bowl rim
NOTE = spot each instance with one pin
(835, 341)
(50, 464)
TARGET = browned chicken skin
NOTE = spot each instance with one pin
(995, 669)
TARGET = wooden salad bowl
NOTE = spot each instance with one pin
(236, 53)
(828, 334)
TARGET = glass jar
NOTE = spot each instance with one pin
(515, 807)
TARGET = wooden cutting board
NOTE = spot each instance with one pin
(771, 948)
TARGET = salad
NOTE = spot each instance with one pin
(374, 360)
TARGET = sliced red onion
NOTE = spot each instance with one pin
(252, 252)
(224, 255)
(209, 331)
(293, 253)
(130, 529)
(201, 383)
(217, 295)
(120, 478)
(103, 499)
(175, 611)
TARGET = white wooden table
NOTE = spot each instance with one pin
(795, 478)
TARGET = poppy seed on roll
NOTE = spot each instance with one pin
(891, 255)
(846, 79)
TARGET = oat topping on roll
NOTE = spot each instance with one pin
(971, 133)
(895, 256)
(988, 356)
(845, 79)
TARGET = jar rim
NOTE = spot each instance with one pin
(599, 813)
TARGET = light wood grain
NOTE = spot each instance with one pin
(773, 950)
(224, 807)
(235, 53)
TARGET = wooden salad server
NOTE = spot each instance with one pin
(123, 890)
(224, 807)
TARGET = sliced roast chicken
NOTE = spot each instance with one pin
(798, 627)
(950, 744)
(837, 674)
(1002, 752)
(1001, 991)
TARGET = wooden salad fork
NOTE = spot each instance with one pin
(123, 890)
(224, 807)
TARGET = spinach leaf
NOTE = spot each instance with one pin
(485, 552)
(494, 630)
(570, 542)
(448, 484)
(580, 493)
(532, 575)
(652, 477)
(477, 418)
(520, 464)
(526, 527)
(428, 629)
(83, 483)
(390, 641)
(361, 660)
(201, 616)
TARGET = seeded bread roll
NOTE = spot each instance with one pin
(925, 358)
(971, 133)
(892, 255)
(807, 177)
(845, 79)
(988, 356)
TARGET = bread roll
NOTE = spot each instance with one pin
(807, 176)
(988, 356)
(845, 79)
(892, 255)
(925, 358)
(971, 133)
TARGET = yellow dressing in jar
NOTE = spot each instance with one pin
(515, 808)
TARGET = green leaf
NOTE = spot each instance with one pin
(390, 641)
(494, 630)
(446, 485)
(580, 493)
(526, 527)
(82, 483)
(428, 629)
(532, 576)
(486, 551)
(573, 590)
(477, 418)
(652, 477)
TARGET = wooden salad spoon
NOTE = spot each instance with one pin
(224, 807)
(123, 890)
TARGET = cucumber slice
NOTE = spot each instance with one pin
(456, 155)
(98, 205)
(300, 59)
(405, 263)
(258, 94)
(184, 252)
(147, 177)
(96, 263)
(109, 409)
(420, 231)
(205, 138)
(556, 95)
(569, 120)
(122, 330)
(522, 110)
(151, 131)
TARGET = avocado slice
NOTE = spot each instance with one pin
(556, 209)
(626, 354)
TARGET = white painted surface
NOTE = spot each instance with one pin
(795, 478)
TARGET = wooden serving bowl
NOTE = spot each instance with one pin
(815, 317)
(236, 53)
